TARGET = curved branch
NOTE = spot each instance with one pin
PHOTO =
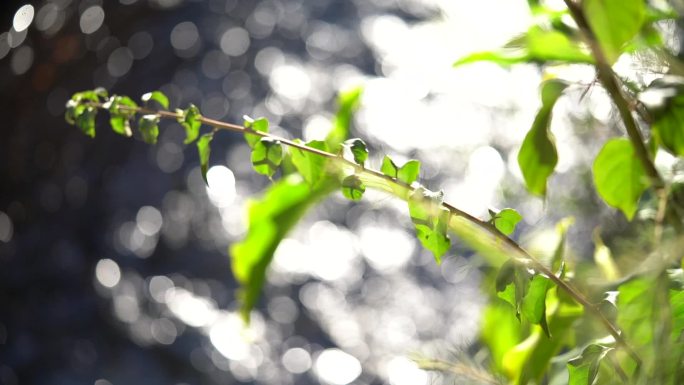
(460, 221)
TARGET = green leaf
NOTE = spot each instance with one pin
(157, 96)
(85, 119)
(614, 23)
(431, 220)
(270, 218)
(619, 176)
(309, 165)
(190, 120)
(358, 150)
(149, 128)
(388, 167)
(534, 303)
(120, 118)
(353, 188)
(347, 101)
(204, 149)
(538, 45)
(267, 155)
(506, 220)
(408, 173)
(538, 157)
(260, 124)
(603, 259)
(584, 368)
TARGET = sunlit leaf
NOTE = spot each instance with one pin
(431, 221)
(538, 157)
(310, 166)
(149, 128)
(614, 22)
(158, 97)
(408, 173)
(506, 220)
(353, 188)
(358, 150)
(267, 155)
(534, 303)
(120, 118)
(347, 101)
(260, 124)
(584, 368)
(619, 176)
(204, 149)
(537, 45)
(388, 167)
(85, 119)
(270, 218)
(604, 259)
(190, 120)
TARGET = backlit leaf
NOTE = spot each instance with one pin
(120, 118)
(619, 176)
(534, 303)
(347, 101)
(506, 220)
(614, 22)
(271, 217)
(431, 221)
(388, 167)
(584, 368)
(408, 173)
(149, 128)
(538, 157)
(260, 124)
(267, 155)
(158, 97)
(353, 188)
(204, 149)
(190, 120)
(310, 166)
(358, 150)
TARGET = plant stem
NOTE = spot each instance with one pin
(513, 250)
(612, 85)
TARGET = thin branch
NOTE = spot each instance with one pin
(612, 85)
(512, 248)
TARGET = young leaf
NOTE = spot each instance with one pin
(85, 119)
(388, 167)
(506, 220)
(267, 155)
(353, 188)
(431, 221)
(538, 45)
(204, 149)
(260, 124)
(619, 176)
(348, 102)
(310, 166)
(534, 303)
(158, 97)
(614, 22)
(408, 173)
(358, 150)
(190, 120)
(538, 157)
(149, 128)
(583, 369)
(120, 117)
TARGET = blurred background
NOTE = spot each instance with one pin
(114, 266)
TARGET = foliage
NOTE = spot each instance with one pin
(543, 309)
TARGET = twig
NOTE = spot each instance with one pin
(513, 249)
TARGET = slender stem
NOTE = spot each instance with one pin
(511, 245)
(612, 85)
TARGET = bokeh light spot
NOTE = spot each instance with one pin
(107, 273)
(23, 17)
(92, 19)
(337, 367)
